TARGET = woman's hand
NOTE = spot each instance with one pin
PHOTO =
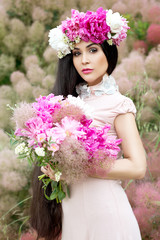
(48, 171)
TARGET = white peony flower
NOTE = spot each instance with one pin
(40, 151)
(115, 22)
(57, 176)
(78, 102)
(59, 41)
(21, 149)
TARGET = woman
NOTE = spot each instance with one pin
(98, 208)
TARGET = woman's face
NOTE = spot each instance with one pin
(90, 61)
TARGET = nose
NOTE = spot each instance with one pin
(85, 59)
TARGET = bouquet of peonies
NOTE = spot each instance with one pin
(58, 132)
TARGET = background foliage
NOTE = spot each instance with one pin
(28, 68)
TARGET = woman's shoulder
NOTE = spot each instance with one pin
(119, 103)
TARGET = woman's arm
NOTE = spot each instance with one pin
(133, 165)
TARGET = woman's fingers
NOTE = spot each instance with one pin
(43, 170)
(47, 170)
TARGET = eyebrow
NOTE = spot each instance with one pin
(86, 46)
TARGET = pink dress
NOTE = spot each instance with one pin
(98, 209)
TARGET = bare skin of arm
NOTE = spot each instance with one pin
(133, 165)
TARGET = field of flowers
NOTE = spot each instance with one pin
(28, 68)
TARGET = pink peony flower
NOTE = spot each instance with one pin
(56, 134)
(36, 126)
(41, 137)
(71, 26)
(123, 34)
(68, 127)
(46, 106)
(97, 140)
(94, 26)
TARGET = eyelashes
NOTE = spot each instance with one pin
(76, 54)
(91, 50)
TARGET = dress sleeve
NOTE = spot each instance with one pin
(126, 105)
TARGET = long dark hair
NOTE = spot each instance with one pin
(46, 216)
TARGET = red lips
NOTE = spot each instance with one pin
(87, 70)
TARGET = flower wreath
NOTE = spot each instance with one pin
(94, 26)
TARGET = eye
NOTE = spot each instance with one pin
(76, 54)
(93, 50)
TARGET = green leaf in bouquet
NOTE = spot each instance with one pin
(46, 181)
(41, 176)
(68, 190)
(54, 194)
(13, 142)
(22, 156)
(54, 184)
(12, 135)
(48, 198)
(61, 195)
(29, 160)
